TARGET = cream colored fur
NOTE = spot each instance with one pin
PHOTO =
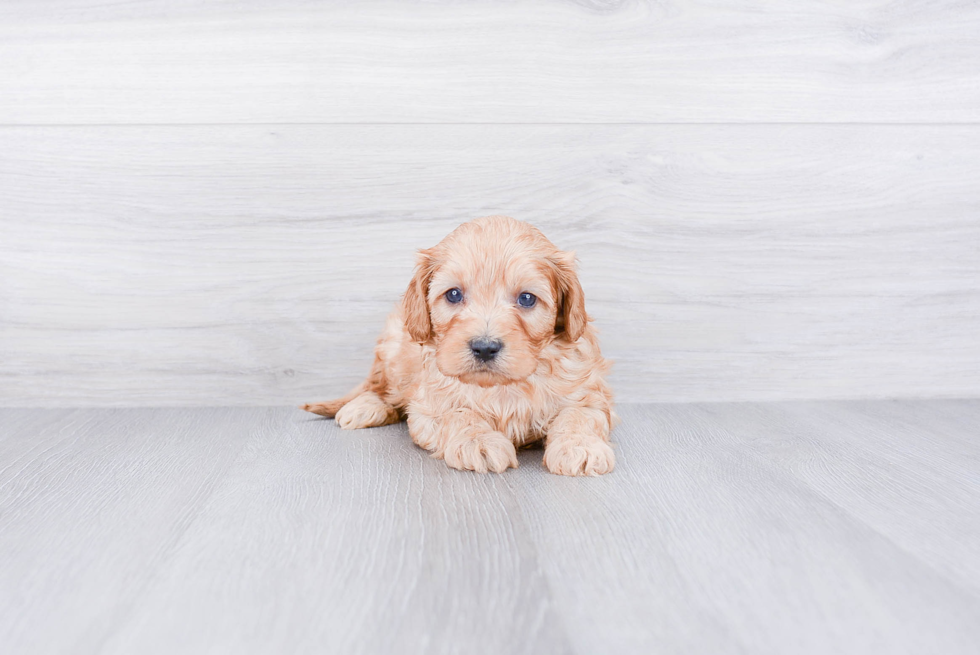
(547, 382)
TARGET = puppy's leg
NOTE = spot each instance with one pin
(463, 439)
(367, 410)
(578, 443)
(363, 406)
(329, 408)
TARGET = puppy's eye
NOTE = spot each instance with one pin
(526, 299)
(454, 296)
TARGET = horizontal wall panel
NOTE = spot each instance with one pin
(255, 264)
(471, 62)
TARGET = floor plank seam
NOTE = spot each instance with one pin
(795, 481)
(120, 621)
(545, 578)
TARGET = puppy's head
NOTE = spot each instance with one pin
(490, 296)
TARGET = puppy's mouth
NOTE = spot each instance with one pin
(485, 374)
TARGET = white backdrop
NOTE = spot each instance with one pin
(218, 204)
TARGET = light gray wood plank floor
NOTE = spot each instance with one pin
(758, 528)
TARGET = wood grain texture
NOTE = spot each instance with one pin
(710, 538)
(364, 543)
(729, 528)
(595, 61)
(852, 454)
(255, 264)
(91, 504)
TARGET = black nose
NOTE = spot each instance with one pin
(485, 349)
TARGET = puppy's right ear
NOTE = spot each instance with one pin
(415, 304)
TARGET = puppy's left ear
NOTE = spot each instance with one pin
(572, 318)
(415, 303)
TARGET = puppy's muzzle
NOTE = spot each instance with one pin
(485, 349)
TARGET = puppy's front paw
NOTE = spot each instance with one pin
(365, 411)
(579, 456)
(487, 451)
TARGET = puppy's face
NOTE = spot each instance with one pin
(490, 296)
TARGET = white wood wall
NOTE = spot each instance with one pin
(218, 203)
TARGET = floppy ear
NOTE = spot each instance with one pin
(572, 318)
(415, 303)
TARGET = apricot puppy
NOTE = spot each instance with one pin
(490, 349)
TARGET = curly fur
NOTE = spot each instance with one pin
(547, 382)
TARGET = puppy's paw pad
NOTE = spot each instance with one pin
(365, 411)
(579, 457)
(486, 452)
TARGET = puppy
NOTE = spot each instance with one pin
(490, 349)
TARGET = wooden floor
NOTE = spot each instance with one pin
(849, 527)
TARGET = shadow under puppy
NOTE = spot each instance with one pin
(490, 349)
